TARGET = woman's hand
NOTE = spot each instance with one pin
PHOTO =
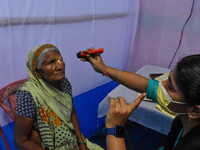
(95, 61)
(120, 111)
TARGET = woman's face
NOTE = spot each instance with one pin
(175, 94)
(53, 68)
(172, 88)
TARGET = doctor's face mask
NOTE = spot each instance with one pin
(173, 104)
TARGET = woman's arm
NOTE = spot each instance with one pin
(24, 136)
(131, 80)
(74, 120)
(114, 143)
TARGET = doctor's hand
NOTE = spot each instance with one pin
(95, 61)
(120, 111)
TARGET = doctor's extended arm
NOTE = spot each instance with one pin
(131, 80)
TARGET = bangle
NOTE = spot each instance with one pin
(116, 75)
(104, 73)
(81, 142)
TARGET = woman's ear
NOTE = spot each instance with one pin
(194, 112)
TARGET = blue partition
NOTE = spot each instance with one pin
(9, 133)
(86, 106)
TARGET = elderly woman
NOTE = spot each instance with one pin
(45, 117)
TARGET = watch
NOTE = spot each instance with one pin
(117, 131)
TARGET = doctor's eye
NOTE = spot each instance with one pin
(170, 87)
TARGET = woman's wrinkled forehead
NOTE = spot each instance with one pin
(44, 55)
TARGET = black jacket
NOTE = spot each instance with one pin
(191, 141)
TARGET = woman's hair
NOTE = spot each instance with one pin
(187, 77)
(43, 54)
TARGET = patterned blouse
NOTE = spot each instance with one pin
(25, 104)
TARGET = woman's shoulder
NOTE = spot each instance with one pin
(22, 94)
(24, 98)
(25, 104)
(191, 140)
(194, 135)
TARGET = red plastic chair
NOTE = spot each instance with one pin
(9, 92)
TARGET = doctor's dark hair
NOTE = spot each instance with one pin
(187, 77)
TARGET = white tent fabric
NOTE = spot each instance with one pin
(159, 32)
(111, 24)
(71, 25)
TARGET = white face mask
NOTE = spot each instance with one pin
(167, 95)
(165, 99)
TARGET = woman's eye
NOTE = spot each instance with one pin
(51, 62)
(170, 87)
(60, 59)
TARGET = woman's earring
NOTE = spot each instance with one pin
(190, 116)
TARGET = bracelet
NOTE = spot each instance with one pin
(104, 73)
(116, 75)
(81, 142)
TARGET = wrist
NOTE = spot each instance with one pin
(101, 69)
(117, 131)
(109, 125)
(112, 126)
(104, 71)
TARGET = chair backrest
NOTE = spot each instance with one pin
(9, 92)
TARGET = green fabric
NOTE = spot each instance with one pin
(152, 89)
(161, 148)
(47, 95)
(178, 138)
(93, 146)
(49, 98)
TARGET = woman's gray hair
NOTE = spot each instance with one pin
(43, 54)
